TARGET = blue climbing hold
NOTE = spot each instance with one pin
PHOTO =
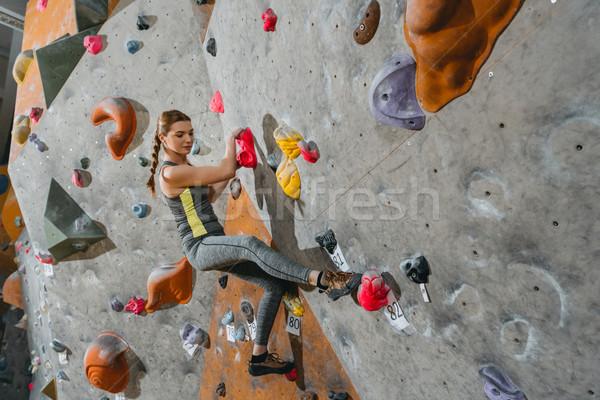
(240, 334)
(140, 210)
(133, 46)
(3, 183)
(227, 318)
(3, 363)
(196, 147)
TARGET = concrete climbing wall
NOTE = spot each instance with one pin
(498, 191)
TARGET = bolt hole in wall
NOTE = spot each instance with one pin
(579, 147)
(555, 223)
(501, 125)
(537, 289)
(591, 392)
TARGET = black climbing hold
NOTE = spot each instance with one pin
(223, 281)
(4, 246)
(248, 311)
(327, 240)
(338, 396)
(221, 389)
(416, 269)
(200, 2)
(142, 24)
(211, 47)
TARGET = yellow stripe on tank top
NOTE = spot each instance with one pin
(198, 228)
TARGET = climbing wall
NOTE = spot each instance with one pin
(498, 191)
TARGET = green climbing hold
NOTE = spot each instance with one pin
(85, 163)
(143, 161)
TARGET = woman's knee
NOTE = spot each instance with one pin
(253, 243)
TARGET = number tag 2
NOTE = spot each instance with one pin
(394, 313)
(293, 324)
(338, 259)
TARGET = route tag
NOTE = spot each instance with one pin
(230, 331)
(63, 358)
(119, 397)
(190, 348)
(394, 313)
(293, 324)
(252, 329)
(338, 259)
(48, 270)
(424, 293)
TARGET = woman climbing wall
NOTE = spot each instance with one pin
(189, 192)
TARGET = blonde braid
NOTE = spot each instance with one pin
(151, 184)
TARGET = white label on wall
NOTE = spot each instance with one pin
(394, 313)
(119, 397)
(190, 348)
(293, 324)
(48, 270)
(338, 259)
(63, 358)
(252, 329)
(424, 293)
(230, 331)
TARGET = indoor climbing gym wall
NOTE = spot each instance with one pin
(447, 150)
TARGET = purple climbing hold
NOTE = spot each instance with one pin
(192, 335)
(393, 98)
(497, 386)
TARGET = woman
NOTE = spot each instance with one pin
(189, 192)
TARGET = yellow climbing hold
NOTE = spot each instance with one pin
(21, 129)
(293, 304)
(288, 177)
(21, 66)
(287, 139)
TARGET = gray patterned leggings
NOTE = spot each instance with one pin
(250, 259)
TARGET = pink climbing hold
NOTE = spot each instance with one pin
(309, 151)
(372, 292)
(93, 43)
(41, 5)
(216, 104)
(44, 258)
(135, 305)
(246, 157)
(269, 19)
(35, 114)
(77, 177)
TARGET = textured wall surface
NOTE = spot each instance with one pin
(499, 191)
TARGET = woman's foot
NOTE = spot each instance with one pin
(338, 284)
(268, 364)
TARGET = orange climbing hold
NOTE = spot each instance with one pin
(105, 364)
(10, 212)
(169, 284)
(11, 291)
(451, 39)
(121, 111)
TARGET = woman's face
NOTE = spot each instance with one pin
(180, 137)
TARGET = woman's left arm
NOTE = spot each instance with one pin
(215, 190)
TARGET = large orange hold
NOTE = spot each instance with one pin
(11, 291)
(451, 39)
(119, 110)
(105, 364)
(10, 211)
(169, 284)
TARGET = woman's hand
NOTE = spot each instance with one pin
(234, 134)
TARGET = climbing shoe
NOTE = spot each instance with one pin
(341, 283)
(271, 365)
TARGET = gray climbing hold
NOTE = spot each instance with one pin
(497, 386)
(192, 335)
(141, 23)
(58, 346)
(211, 47)
(227, 318)
(116, 304)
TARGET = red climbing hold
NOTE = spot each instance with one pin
(93, 43)
(44, 258)
(41, 5)
(135, 305)
(372, 292)
(246, 157)
(216, 104)
(35, 114)
(309, 151)
(77, 177)
(291, 376)
(270, 19)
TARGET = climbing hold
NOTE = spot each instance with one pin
(288, 177)
(240, 334)
(121, 111)
(21, 65)
(287, 139)
(309, 395)
(81, 223)
(227, 318)
(35, 114)
(247, 311)
(50, 390)
(21, 129)
(309, 151)
(392, 96)
(372, 292)
(195, 147)
(143, 161)
(11, 290)
(105, 364)
(77, 177)
(93, 43)
(223, 281)
(293, 304)
(246, 157)
(326, 239)
(44, 258)
(416, 269)
(141, 23)
(292, 375)
(451, 41)
(41, 5)
(18, 222)
(200, 2)
(221, 389)
(211, 47)
(116, 305)
(3, 363)
(61, 375)
(235, 188)
(273, 161)
(135, 305)
(140, 210)
(4, 246)
(84, 162)
(37, 142)
(497, 386)
(338, 396)
(269, 20)
(132, 46)
(216, 104)
(369, 24)
(170, 283)
(192, 335)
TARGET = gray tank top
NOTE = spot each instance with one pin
(193, 212)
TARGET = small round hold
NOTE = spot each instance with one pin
(143, 161)
(141, 23)
(223, 281)
(116, 305)
(211, 47)
(18, 222)
(491, 74)
(85, 163)
(140, 210)
(133, 46)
